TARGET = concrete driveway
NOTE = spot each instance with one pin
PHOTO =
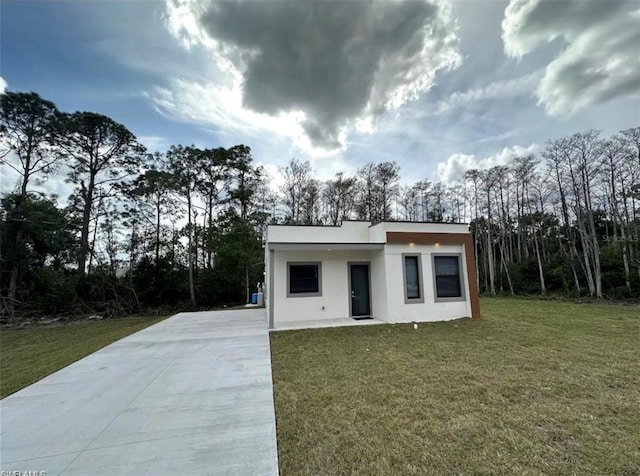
(189, 395)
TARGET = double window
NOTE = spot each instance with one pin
(304, 279)
(447, 274)
(447, 278)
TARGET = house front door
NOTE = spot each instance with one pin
(360, 290)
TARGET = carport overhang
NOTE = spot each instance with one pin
(326, 247)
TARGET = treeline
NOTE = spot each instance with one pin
(184, 228)
(139, 230)
(373, 193)
(572, 215)
(565, 222)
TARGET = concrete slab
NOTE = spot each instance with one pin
(189, 395)
(320, 323)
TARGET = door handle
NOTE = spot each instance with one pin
(353, 294)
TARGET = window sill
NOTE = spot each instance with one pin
(450, 299)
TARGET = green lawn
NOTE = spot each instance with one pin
(534, 387)
(27, 355)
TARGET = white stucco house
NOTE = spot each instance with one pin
(389, 272)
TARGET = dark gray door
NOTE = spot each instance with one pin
(360, 298)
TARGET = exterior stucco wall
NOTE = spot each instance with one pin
(381, 229)
(334, 302)
(379, 286)
(429, 310)
(349, 232)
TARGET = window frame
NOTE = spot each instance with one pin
(304, 263)
(461, 276)
(407, 299)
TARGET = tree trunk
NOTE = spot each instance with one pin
(208, 235)
(192, 290)
(246, 277)
(14, 277)
(15, 269)
(618, 218)
(84, 233)
(625, 262)
(543, 248)
(576, 258)
(476, 244)
(587, 262)
(132, 257)
(157, 231)
(485, 265)
(490, 257)
(173, 246)
(543, 289)
(477, 251)
(506, 270)
(93, 245)
(596, 256)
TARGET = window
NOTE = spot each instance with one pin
(304, 279)
(448, 285)
(412, 270)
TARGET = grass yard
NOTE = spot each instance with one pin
(534, 387)
(27, 355)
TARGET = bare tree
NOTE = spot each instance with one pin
(296, 177)
(612, 156)
(309, 202)
(474, 177)
(554, 155)
(387, 175)
(630, 187)
(367, 200)
(339, 196)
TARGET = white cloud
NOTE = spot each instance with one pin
(326, 168)
(308, 71)
(601, 61)
(498, 137)
(182, 20)
(51, 184)
(274, 177)
(219, 106)
(9, 179)
(452, 170)
(154, 143)
(522, 86)
(3, 85)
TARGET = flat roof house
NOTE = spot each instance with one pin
(389, 272)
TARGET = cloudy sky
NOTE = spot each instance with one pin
(437, 87)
